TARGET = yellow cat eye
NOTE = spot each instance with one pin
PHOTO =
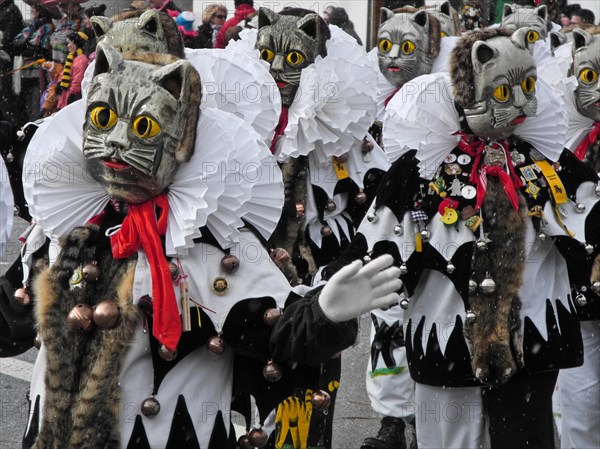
(528, 85)
(294, 58)
(103, 117)
(145, 128)
(532, 36)
(442, 34)
(408, 47)
(385, 45)
(267, 54)
(588, 76)
(502, 92)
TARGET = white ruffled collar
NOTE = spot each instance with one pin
(231, 177)
(6, 208)
(416, 121)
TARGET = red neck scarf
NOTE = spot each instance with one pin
(474, 147)
(280, 129)
(388, 99)
(141, 227)
(588, 141)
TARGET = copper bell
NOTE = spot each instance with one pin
(299, 210)
(106, 314)
(150, 406)
(167, 354)
(37, 341)
(321, 400)
(91, 272)
(80, 318)
(326, 231)
(174, 271)
(271, 316)
(258, 437)
(272, 371)
(280, 256)
(330, 205)
(22, 296)
(216, 345)
(244, 442)
(342, 159)
(367, 146)
(360, 197)
(230, 263)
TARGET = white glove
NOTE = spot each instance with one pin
(357, 289)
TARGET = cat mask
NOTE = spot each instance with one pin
(494, 78)
(289, 44)
(448, 19)
(140, 122)
(586, 67)
(408, 43)
(515, 17)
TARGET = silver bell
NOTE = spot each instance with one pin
(404, 304)
(20, 135)
(542, 236)
(398, 229)
(371, 216)
(481, 245)
(596, 286)
(488, 286)
(589, 248)
(403, 269)
(597, 190)
(581, 300)
(450, 268)
(472, 286)
(580, 208)
(470, 315)
(366, 259)
(425, 235)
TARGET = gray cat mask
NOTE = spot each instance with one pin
(404, 45)
(140, 122)
(504, 85)
(448, 18)
(515, 17)
(586, 67)
(289, 44)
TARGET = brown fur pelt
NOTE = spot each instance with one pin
(461, 65)
(494, 335)
(81, 407)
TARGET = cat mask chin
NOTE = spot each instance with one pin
(504, 83)
(586, 67)
(140, 122)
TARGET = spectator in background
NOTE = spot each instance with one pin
(77, 61)
(185, 25)
(566, 12)
(33, 42)
(243, 10)
(583, 16)
(71, 21)
(11, 22)
(326, 12)
(89, 12)
(339, 17)
(213, 19)
(49, 97)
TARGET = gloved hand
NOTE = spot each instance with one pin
(358, 288)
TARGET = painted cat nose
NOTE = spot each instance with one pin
(395, 51)
(519, 99)
(278, 64)
(117, 138)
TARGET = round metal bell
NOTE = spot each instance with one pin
(403, 269)
(280, 256)
(404, 304)
(22, 296)
(106, 314)
(258, 437)
(79, 318)
(596, 286)
(91, 272)
(321, 400)
(343, 158)
(230, 263)
(425, 235)
(150, 407)
(581, 300)
(37, 341)
(398, 229)
(372, 217)
(450, 268)
(216, 345)
(299, 210)
(271, 316)
(589, 248)
(580, 208)
(367, 146)
(366, 259)
(361, 197)
(272, 371)
(330, 205)
(488, 286)
(470, 315)
(481, 245)
(244, 442)
(472, 286)
(166, 354)
(326, 231)
(542, 236)
(10, 157)
(174, 271)
(597, 190)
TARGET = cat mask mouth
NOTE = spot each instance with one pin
(115, 164)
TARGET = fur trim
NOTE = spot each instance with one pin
(82, 370)
(461, 65)
(494, 335)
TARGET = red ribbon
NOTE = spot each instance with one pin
(280, 129)
(588, 141)
(141, 227)
(475, 147)
(388, 99)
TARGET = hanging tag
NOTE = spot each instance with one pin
(418, 243)
(340, 170)
(186, 319)
(557, 188)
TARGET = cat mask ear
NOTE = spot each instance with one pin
(557, 39)
(444, 8)
(507, 11)
(101, 25)
(542, 11)
(149, 22)
(481, 54)
(385, 14)
(581, 38)
(309, 24)
(266, 17)
(108, 59)
(421, 18)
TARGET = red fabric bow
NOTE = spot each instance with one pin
(474, 147)
(280, 129)
(141, 227)
(588, 141)
(388, 99)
